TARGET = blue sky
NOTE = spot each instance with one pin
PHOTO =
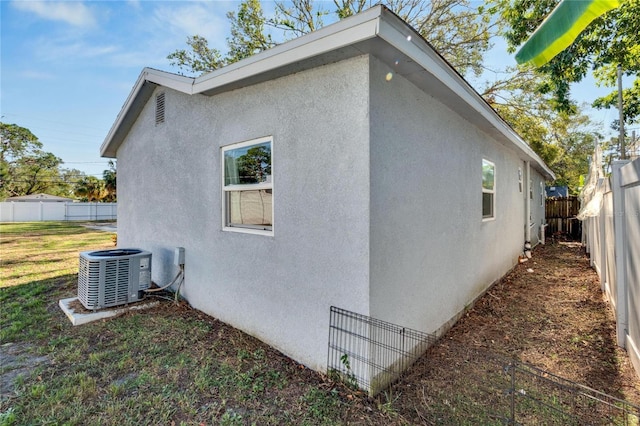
(67, 67)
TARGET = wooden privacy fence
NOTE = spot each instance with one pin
(561, 217)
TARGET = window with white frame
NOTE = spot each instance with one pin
(542, 194)
(247, 204)
(488, 189)
(531, 189)
(520, 178)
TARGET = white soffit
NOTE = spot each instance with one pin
(172, 81)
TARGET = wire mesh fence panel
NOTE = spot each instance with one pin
(539, 397)
(490, 389)
(369, 353)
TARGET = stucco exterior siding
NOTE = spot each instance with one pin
(431, 252)
(373, 203)
(537, 207)
(278, 288)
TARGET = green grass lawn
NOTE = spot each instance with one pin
(164, 366)
(172, 365)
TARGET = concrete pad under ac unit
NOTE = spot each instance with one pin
(78, 318)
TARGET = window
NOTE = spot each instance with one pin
(531, 189)
(488, 189)
(542, 195)
(520, 178)
(248, 187)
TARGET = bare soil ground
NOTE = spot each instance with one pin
(549, 312)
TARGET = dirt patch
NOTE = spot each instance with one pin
(101, 226)
(16, 360)
(553, 317)
(549, 312)
(78, 307)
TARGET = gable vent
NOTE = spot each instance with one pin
(160, 108)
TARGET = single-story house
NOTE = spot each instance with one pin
(36, 198)
(351, 167)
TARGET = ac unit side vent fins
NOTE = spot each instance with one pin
(112, 277)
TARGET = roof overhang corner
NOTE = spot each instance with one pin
(142, 90)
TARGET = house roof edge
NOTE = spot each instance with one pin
(146, 83)
(397, 33)
(376, 23)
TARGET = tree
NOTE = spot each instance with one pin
(68, 179)
(611, 40)
(577, 148)
(458, 30)
(110, 186)
(200, 59)
(563, 140)
(248, 35)
(16, 141)
(90, 188)
(255, 165)
(631, 104)
(299, 17)
(528, 111)
(24, 167)
(35, 173)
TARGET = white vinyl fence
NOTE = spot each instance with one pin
(41, 211)
(612, 239)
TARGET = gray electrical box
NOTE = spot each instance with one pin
(178, 258)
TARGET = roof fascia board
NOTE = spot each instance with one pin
(172, 81)
(396, 32)
(146, 83)
(105, 149)
(375, 22)
(344, 33)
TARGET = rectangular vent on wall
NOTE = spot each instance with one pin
(160, 108)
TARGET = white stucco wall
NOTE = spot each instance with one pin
(278, 288)
(537, 207)
(377, 204)
(431, 252)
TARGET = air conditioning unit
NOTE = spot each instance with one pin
(113, 277)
